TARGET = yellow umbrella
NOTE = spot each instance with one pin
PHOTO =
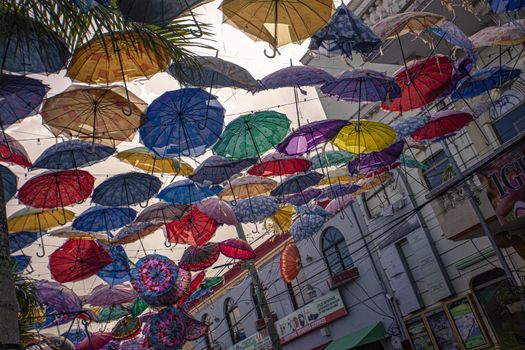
(338, 176)
(142, 158)
(278, 22)
(281, 221)
(70, 233)
(373, 182)
(406, 22)
(247, 187)
(364, 136)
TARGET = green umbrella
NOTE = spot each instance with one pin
(111, 313)
(138, 307)
(331, 158)
(410, 162)
(251, 135)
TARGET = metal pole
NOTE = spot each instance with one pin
(261, 297)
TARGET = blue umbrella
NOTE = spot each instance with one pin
(406, 126)
(20, 262)
(297, 183)
(483, 81)
(306, 226)
(9, 181)
(21, 240)
(182, 122)
(72, 154)
(187, 192)
(501, 6)
(339, 190)
(99, 218)
(312, 209)
(296, 76)
(454, 35)
(344, 34)
(255, 209)
(157, 12)
(118, 271)
(126, 189)
(216, 169)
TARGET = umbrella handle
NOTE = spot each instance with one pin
(41, 255)
(167, 243)
(274, 52)
(129, 111)
(274, 46)
(196, 33)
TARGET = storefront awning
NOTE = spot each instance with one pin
(367, 335)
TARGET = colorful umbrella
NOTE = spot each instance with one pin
(376, 162)
(454, 35)
(195, 329)
(118, 271)
(257, 133)
(182, 122)
(57, 189)
(372, 183)
(247, 187)
(364, 136)
(290, 262)
(104, 295)
(338, 204)
(501, 6)
(57, 296)
(138, 307)
(406, 126)
(99, 219)
(410, 162)
(296, 76)
(255, 209)
(132, 344)
(330, 158)
(237, 249)
(507, 35)
(194, 228)
(309, 136)
(77, 259)
(483, 81)
(95, 341)
(312, 209)
(126, 189)
(59, 343)
(281, 221)
(156, 12)
(215, 170)
(142, 158)
(277, 164)
(306, 226)
(127, 328)
(167, 329)
(195, 284)
(112, 345)
(442, 124)
(421, 82)
(338, 176)
(161, 213)
(404, 23)
(72, 154)
(199, 258)
(70, 233)
(218, 210)
(187, 192)
(302, 197)
(29, 219)
(335, 191)
(108, 314)
(297, 183)
(21, 240)
(9, 182)
(135, 232)
(12, 152)
(75, 336)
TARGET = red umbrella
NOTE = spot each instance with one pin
(194, 228)
(421, 81)
(442, 124)
(199, 258)
(237, 249)
(280, 164)
(11, 151)
(78, 259)
(57, 189)
(95, 341)
(194, 285)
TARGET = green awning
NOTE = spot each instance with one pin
(367, 335)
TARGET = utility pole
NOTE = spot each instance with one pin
(261, 297)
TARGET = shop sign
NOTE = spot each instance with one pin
(258, 341)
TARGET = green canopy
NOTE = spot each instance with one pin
(367, 335)
(330, 158)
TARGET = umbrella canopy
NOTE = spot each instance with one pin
(104, 295)
(161, 213)
(126, 189)
(309, 136)
(302, 197)
(247, 187)
(95, 113)
(406, 126)
(454, 35)
(142, 158)
(216, 169)
(126, 328)
(376, 162)
(57, 296)
(157, 12)
(256, 133)
(362, 85)
(421, 82)
(21, 240)
(372, 183)
(442, 124)
(277, 164)
(214, 72)
(118, 271)
(218, 210)
(499, 35)
(95, 341)
(306, 226)
(167, 329)
(196, 282)
(183, 122)
(501, 6)
(195, 329)
(297, 183)
(404, 23)
(108, 314)
(281, 221)
(59, 343)
(70, 233)
(135, 232)
(9, 182)
(410, 162)
(338, 204)
(237, 249)
(12, 152)
(29, 219)
(312, 209)
(335, 191)
(77, 259)
(72, 154)
(255, 209)
(187, 192)
(194, 228)
(99, 218)
(75, 336)
(296, 76)
(290, 262)
(57, 189)
(344, 34)
(132, 344)
(199, 258)
(483, 81)
(330, 158)
(364, 136)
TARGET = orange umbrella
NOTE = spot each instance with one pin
(290, 262)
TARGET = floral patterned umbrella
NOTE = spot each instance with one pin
(195, 329)
(199, 258)
(255, 209)
(237, 249)
(406, 126)
(167, 329)
(312, 209)
(306, 226)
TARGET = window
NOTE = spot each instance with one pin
(510, 124)
(233, 318)
(381, 198)
(206, 319)
(297, 291)
(335, 251)
(258, 309)
(438, 170)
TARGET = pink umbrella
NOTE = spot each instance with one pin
(219, 210)
(95, 341)
(105, 295)
(338, 204)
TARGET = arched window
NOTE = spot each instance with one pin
(335, 251)
(258, 309)
(233, 318)
(206, 319)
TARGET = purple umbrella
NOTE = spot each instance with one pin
(338, 204)
(310, 136)
(302, 198)
(296, 76)
(335, 191)
(105, 295)
(376, 162)
(297, 183)
(57, 296)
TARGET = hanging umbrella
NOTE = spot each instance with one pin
(75, 336)
(312, 209)
(338, 176)
(157, 12)
(410, 162)
(442, 124)
(142, 158)
(94, 113)
(57, 296)
(20, 262)
(256, 133)
(118, 271)
(182, 122)
(100, 219)
(196, 282)
(199, 258)
(95, 341)
(237, 249)
(364, 136)
(344, 34)
(161, 213)
(340, 203)
(290, 262)
(302, 197)
(306, 226)
(167, 329)
(194, 228)
(255, 209)
(404, 23)
(309, 136)
(57, 189)
(296, 76)
(336, 191)
(72, 154)
(12, 152)
(454, 35)
(247, 187)
(104, 295)
(292, 21)
(108, 314)
(281, 221)
(126, 189)
(501, 6)
(112, 345)
(126, 328)
(77, 259)
(9, 182)
(195, 329)
(277, 164)
(135, 232)
(70, 233)
(508, 35)
(483, 81)
(59, 343)
(187, 192)
(421, 82)
(376, 162)
(218, 210)
(330, 158)
(297, 183)
(216, 169)
(132, 344)
(21, 240)
(406, 126)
